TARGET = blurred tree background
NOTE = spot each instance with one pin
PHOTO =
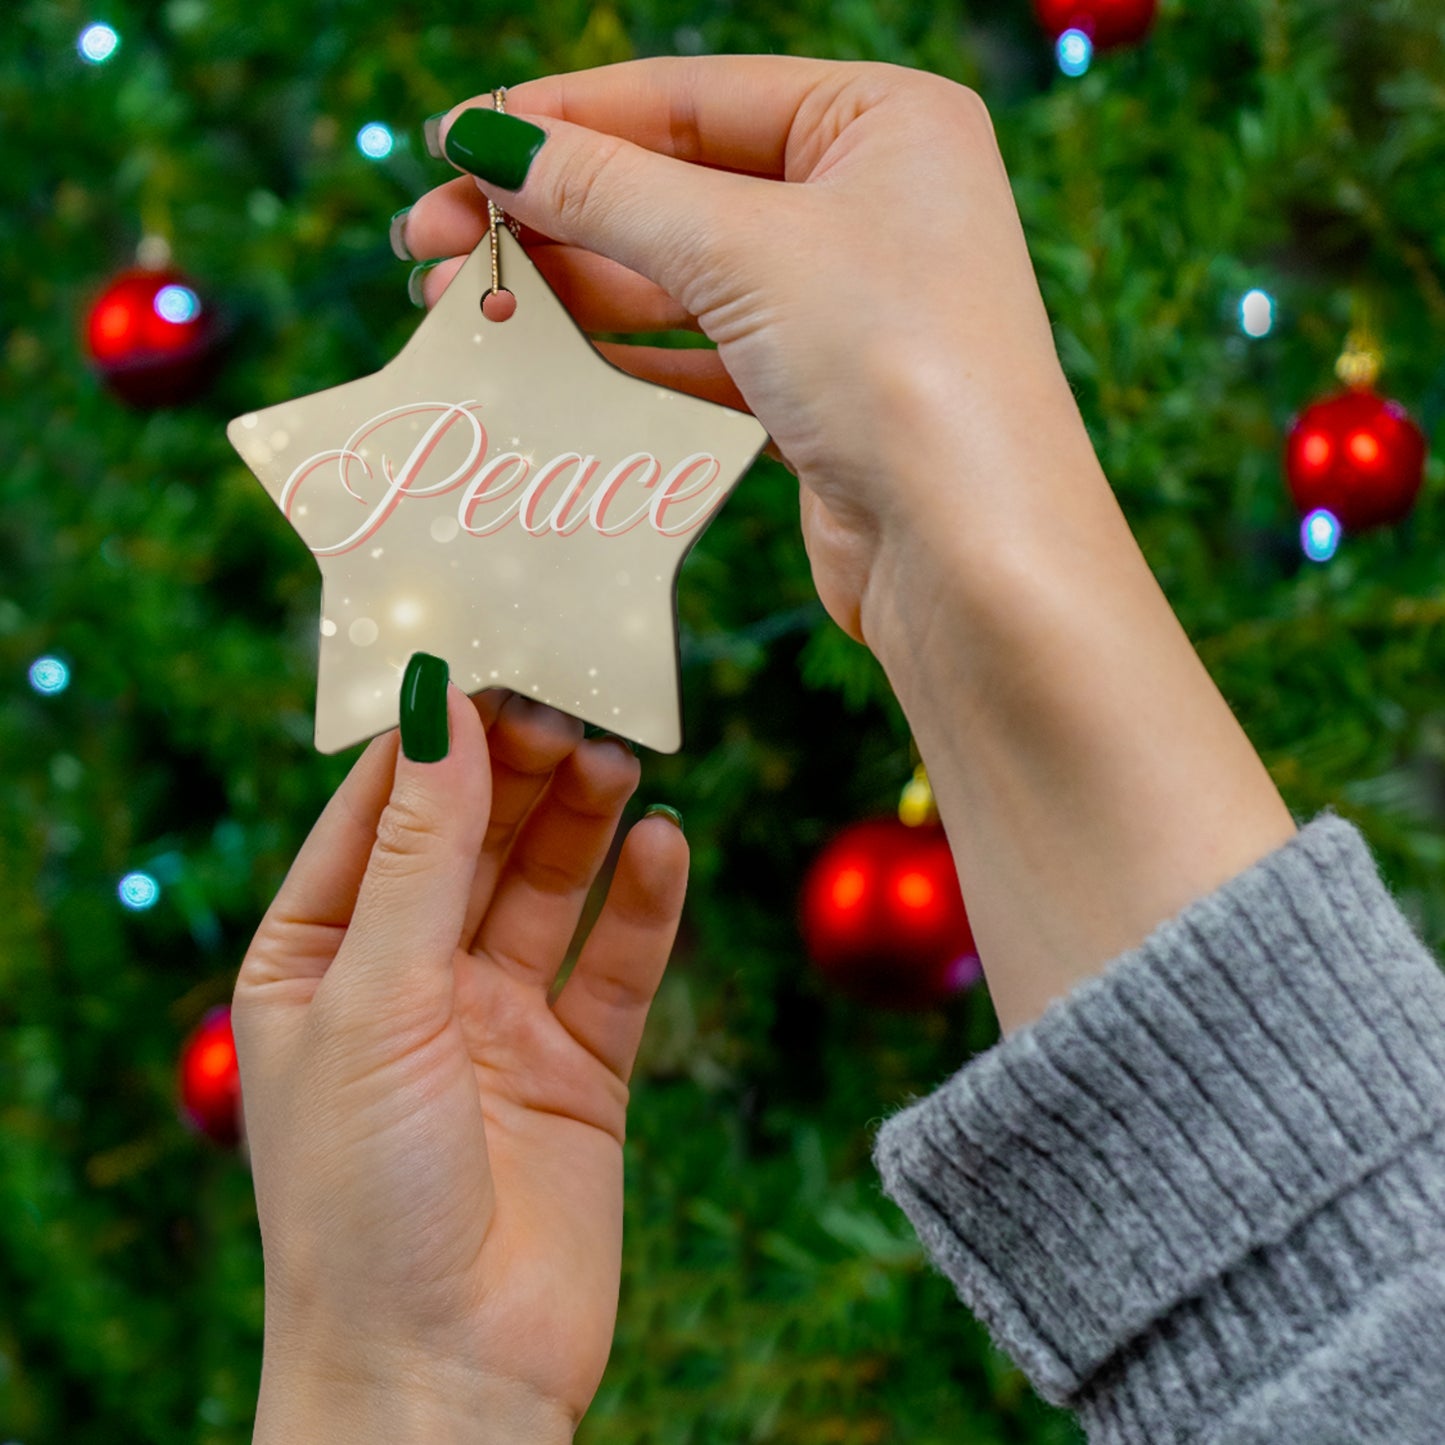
(770, 1291)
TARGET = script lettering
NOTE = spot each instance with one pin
(557, 497)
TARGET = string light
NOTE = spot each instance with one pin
(138, 891)
(1256, 313)
(375, 141)
(1075, 52)
(177, 304)
(97, 44)
(1320, 535)
(49, 675)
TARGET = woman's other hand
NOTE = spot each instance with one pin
(437, 1148)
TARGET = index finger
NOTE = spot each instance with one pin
(734, 112)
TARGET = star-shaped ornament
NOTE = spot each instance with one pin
(503, 497)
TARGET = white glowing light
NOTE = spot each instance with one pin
(49, 675)
(375, 141)
(177, 304)
(97, 44)
(138, 891)
(1075, 52)
(1320, 535)
(1256, 313)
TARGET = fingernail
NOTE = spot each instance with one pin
(413, 282)
(669, 813)
(498, 148)
(425, 736)
(603, 736)
(431, 131)
(398, 235)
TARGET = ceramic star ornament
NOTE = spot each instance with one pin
(501, 496)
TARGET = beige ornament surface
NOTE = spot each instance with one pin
(503, 497)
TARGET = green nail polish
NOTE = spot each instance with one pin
(669, 813)
(413, 282)
(498, 148)
(431, 133)
(398, 235)
(425, 736)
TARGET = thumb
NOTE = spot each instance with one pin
(670, 221)
(395, 963)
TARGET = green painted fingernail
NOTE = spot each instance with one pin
(413, 282)
(425, 736)
(670, 813)
(398, 235)
(431, 132)
(498, 148)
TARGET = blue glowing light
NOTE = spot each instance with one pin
(1320, 535)
(138, 891)
(1256, 313)
(177, 303)
(1075, 52)
(375, 140)
(97, 43)
(49, 675)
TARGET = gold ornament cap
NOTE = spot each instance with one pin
(916, 806)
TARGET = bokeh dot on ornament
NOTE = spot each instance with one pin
(849, 887)
(914, 890)
(375, 140)
(1315, 450)
(1256, 313)
(97, 43)
(1363, 449)
(49, 675)
(1320, 535)
(1075, 52)
(138, 891)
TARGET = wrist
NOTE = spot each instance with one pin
(977, 514)
(321, 1403)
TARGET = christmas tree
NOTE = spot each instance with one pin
(1212, 213)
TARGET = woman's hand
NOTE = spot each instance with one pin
(847, 234)
(879, 316)
(437, 1149)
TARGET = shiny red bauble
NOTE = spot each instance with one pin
(210, 1080)
(1107, 23)
(152, 338)
(1357, 455)
(883, 918)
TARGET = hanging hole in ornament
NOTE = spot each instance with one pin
(499, 305)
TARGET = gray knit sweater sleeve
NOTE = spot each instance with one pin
(1202, 1199)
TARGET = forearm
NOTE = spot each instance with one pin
(1092, 780)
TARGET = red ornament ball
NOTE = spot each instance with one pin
(152, 338)
(1357, 455)
(1107, 23)
(883, 917)
(210, 1081)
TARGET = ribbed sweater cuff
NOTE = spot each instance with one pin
(1256, 1059)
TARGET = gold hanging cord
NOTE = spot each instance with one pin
(495, 212)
